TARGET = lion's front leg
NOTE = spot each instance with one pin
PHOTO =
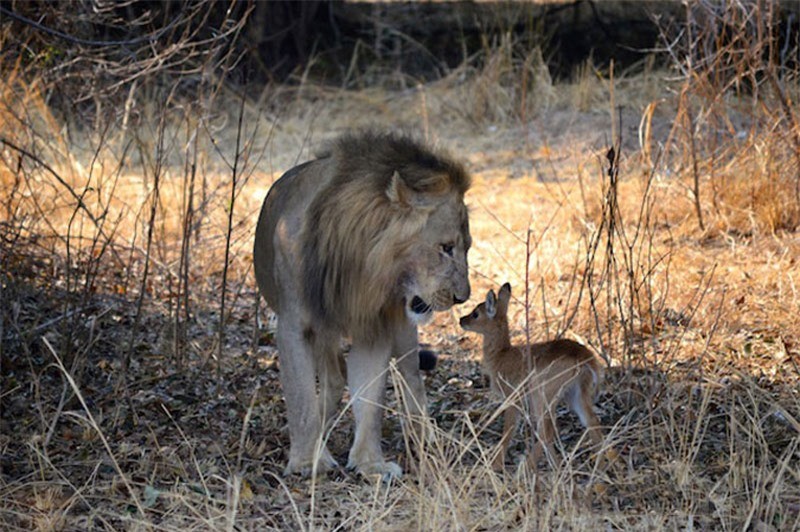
(366, 376)
(411, 390)
(405, 349)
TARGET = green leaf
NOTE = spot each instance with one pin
(150, 496)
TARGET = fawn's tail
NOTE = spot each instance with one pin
(595, 366)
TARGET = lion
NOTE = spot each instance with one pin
(364, 243)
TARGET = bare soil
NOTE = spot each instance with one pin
(700, 405)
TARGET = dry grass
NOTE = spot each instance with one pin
(700, 326)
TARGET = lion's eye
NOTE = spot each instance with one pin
(447, 249)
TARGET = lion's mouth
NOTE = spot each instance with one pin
(419, 311)
(419, 306)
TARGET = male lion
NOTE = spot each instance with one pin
(364, 242)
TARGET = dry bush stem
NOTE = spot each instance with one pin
(182, 296)
(234, 174)
(794, 130)
(88, 42)
(78, 198)
(154, 201)
(690, 131)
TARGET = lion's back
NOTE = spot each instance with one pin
(276, 256)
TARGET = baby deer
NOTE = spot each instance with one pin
(556, 370)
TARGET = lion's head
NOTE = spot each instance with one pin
(388, 237)
(436, 273)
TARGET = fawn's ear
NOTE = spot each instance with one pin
(491, 305)
(503, 297)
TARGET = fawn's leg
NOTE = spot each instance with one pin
(549, 433)
(510, 416)
(542, 433)
(582, 406)
(584, 409)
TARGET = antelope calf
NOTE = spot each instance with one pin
(554, 371)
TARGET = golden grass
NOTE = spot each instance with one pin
(700, 406)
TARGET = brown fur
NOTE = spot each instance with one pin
(553, 371)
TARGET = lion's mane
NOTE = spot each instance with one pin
(355, 234)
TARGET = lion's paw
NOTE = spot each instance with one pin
(387, 471)
(305, 468)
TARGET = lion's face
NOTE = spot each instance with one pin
(436, 276)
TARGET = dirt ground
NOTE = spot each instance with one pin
(700, 404)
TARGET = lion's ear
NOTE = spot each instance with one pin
(400, 193)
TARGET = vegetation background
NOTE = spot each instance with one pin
(637, 180)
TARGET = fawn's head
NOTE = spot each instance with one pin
(492, 311)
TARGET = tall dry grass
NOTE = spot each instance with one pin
(129, 239)
(736, 133)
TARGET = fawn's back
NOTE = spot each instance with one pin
(549, 367)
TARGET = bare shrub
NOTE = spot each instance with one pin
(505, 82)
(738, 68)
(99, 181)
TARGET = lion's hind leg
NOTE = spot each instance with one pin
(331, 372)
(308, 453)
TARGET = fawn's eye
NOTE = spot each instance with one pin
(447, 249)
(474, 314)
